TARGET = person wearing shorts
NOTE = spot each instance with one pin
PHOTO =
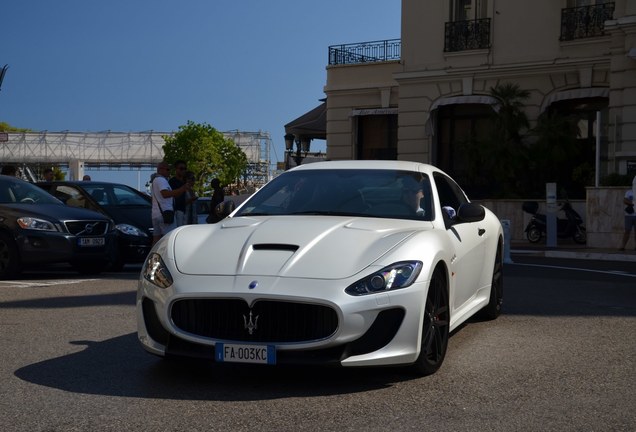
(630, 218)
(163, 199)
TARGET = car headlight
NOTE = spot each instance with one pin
(156, 272)
(130, 230)
(395, 276)
(36, 224)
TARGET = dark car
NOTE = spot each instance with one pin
(129, 208)
(37, 229)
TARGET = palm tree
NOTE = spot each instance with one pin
(496, 159)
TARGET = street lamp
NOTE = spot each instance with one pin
(302, 146)
(3, 71)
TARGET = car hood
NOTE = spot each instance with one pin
(288, 246)
(52, 211)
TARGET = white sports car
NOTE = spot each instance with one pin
(352, 263)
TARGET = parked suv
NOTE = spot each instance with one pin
(37, 229)
(129, 208)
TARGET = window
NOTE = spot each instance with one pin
(468, 27)
(460, 128)
(464, 10)
(450, 194)
(377, 137)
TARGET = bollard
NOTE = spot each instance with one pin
(505, 224)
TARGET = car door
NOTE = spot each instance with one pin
(467, 239)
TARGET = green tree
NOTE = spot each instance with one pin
(557, 155)
(6, 127)
(207, 152)
(494, 161)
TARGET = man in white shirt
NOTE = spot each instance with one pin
(162, 200)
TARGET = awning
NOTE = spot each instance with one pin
(374, 111)
(430, 124)
(580, 93)
(467, 99)
(312, 124)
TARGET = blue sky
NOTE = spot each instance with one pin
(139, 65)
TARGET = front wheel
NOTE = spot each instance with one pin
(435, 327)
(534, 234)
(9, 259)
(579, 236)
(90, 268)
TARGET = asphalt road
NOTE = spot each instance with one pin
(560, 358)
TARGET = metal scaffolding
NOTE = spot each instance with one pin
(114, 150)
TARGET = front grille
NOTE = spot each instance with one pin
(87, 227)
(270, 321)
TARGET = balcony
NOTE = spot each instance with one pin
(365, 52)
(585, 21)
(467, 35)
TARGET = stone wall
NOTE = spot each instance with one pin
(512, 210)
(606, 216)
(602, 215)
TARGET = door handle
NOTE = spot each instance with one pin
(481, 232)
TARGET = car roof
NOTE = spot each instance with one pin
(368, 164)
(83, 182)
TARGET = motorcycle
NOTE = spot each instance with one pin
(571, 226)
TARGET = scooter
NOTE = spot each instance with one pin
(571, 226)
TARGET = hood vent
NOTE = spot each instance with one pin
(276, 247)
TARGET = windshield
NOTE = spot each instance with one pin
(112, 194)
(345, 192)
(14, 191)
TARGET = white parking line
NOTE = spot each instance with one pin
(611, 272)
(44, 283)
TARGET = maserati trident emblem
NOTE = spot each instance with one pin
(252, 324)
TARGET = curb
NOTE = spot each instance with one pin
(585, 254)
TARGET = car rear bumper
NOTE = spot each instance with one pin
(46, 247)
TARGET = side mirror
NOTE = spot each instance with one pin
(470, 212)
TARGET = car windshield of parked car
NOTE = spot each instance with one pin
(116, 195)
(15, 191)
(344, 192)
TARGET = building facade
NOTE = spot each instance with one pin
(416, 97)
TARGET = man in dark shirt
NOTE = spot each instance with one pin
(176, 182)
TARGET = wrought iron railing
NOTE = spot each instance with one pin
(365, 52)
(585, 21)
(467, 35)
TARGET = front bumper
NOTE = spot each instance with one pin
(378, 329)
(133, 249)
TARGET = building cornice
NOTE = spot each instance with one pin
(508, 70)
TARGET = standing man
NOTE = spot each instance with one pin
(177, 181)
(162, 200)
(48, 175)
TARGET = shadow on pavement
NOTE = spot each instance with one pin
(120, 367)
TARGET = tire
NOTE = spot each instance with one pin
(117, 264)
(90, 268)
(493, 309)
(435, 327)
(9, 258)
(534, 234)
(580, 235)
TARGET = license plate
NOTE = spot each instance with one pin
(260, 354)
(91, 241)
